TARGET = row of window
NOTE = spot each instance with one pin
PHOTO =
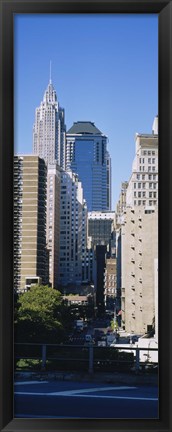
(148, 152)
(143, 194)
(147, 177)
(140, 202)
(149, 169)
(143, 185)
(149, 160)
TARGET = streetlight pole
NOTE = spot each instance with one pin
(93, 294)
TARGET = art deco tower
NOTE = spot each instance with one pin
(49, 129)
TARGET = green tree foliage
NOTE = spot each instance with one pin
(40, 316)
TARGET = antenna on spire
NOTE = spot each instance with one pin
(50, 73)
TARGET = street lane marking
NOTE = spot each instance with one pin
(30, 382)
(44, 416)
(79, 393)
(91, 390)
(86, 396)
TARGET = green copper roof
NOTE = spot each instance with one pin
(84, 127)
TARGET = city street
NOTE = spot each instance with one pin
(53, 399)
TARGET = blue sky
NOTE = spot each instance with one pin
(104, 69)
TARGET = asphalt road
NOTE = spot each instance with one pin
(53, 399)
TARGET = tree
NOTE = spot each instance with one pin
(40, 316)
(114, 325)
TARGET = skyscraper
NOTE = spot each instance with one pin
(87, 155)
(72, 231)
(30, 254)
(142, 188)
(139, 236)
(53, 221)
(49, 129)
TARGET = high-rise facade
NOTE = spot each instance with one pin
(110, 282)
(49, 138)
(30, 253)
(53, 221)
(139, 233)
(49, 129)
(87, 155)
(72, 230)
(100, 227)
(143, 184)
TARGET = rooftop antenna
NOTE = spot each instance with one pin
(50, 73)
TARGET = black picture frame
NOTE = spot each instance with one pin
(7, 10)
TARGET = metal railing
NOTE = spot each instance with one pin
(86, 357)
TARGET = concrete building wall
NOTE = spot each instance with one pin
(139, 234)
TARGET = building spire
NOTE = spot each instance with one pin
(50, 73)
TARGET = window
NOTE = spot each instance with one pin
(153, 160)
(139, 185)
(139, 194)
(149, 160)
(138, 176)
(139, 202)
(149, 168)
(143, 176)
(134, 185)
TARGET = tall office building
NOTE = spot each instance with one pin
(87, 155)
(143, 184)
(72, 231)
(49, 129)
(30, 253)
(139, 234)
(53, 221)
